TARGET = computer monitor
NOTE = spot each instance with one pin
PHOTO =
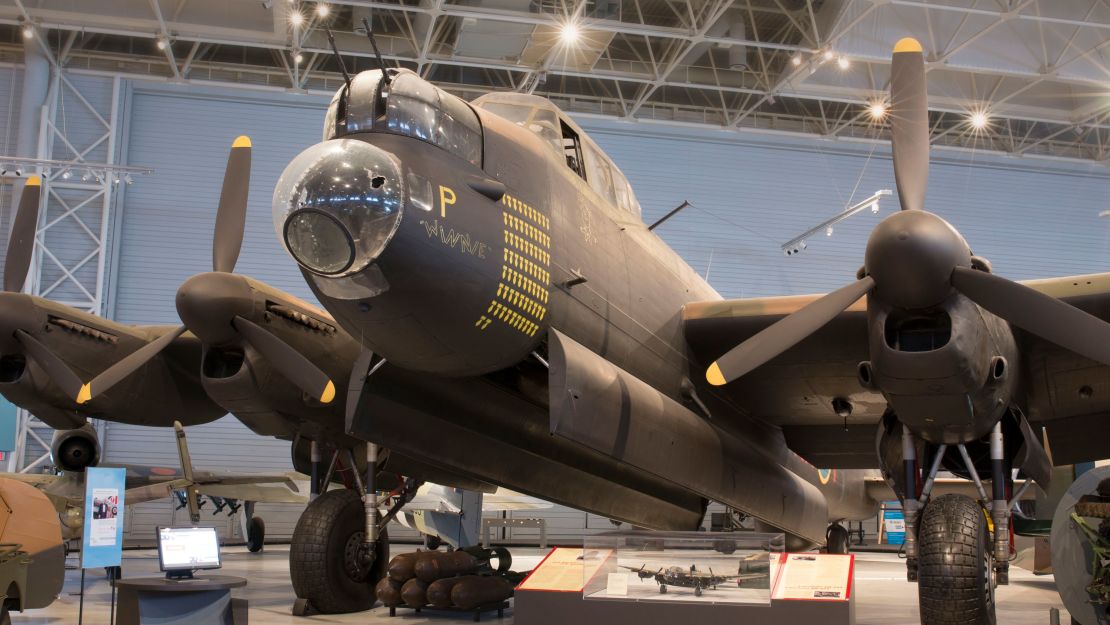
(182, 550)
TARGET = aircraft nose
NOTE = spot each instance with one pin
(337, 205)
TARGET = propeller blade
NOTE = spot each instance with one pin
(785, 333)
(359, 372)
(231, 218)
(124, 368)
(55, 367)
(1037, 313)
(290, 363)
(22, 241)
(909, 123)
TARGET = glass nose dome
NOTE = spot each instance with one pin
(337, 205)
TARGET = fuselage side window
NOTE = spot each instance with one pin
(598, 174)
(572, 150)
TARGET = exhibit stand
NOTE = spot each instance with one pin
(666, 578)
(195, 601)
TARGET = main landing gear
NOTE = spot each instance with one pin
(340, 548)
(957, 549)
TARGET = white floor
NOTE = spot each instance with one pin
(882, 593)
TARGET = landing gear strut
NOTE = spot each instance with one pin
(340, 548)
(951, 551)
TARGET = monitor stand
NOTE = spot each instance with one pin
(179, 574)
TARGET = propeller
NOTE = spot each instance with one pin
(17, 261)
(22, 242)
(288, 361)
(915, 259)
(227, 242)
(231, 216)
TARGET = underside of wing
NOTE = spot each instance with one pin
(811, 390)
(1068, 394)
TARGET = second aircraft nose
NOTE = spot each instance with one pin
(338, 204)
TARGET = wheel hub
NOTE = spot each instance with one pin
(355, 562)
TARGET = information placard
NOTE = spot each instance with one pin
(814, 577)
(565, 570)
(102, 537)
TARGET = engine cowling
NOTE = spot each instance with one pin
(75, 450)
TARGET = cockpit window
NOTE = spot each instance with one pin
(418, 109)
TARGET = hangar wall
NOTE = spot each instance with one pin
(750, 194)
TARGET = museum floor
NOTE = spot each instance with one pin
(883, 596)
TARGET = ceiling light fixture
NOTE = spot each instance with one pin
(322, 10)
(569, 33)
(297, 58)
(843, 62)
(877, 110)
(296, 18)
(161, 43)
(828, 56)
(28, 31)
(796, 60)
(979, 120)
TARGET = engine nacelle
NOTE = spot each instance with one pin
(75, 450)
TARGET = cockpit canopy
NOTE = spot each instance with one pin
(567, 141)
(408, 105)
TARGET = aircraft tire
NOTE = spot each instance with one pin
(837, 539)
(256, 534)
(956, 583)
(323, 555)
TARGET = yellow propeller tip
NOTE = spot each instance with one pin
(714, 376)
(907, 44)
(242, 141)
(34, 181)
(85, 395)
(329, 393)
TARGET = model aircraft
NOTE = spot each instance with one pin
(691, 577)
(489, 263)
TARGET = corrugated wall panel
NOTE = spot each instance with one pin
(751, 195)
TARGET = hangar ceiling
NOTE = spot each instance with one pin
(1037, 71)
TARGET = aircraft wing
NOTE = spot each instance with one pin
(795, 389)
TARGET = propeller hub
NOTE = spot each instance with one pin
(208, 302)
(911, 255)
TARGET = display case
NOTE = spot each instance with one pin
(702, 567)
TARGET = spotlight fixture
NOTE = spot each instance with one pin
(161, 43)
(828, 55)
(67, 174)
(877, 110)
(127, 179)
(796, 60)
(843, 62)
(28, 31)
(297, 58)
(296, 18)
(979, 120)
(85, 176)
(569, 33)
(322, 9)
(828, 231)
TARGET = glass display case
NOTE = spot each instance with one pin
(706, 567)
